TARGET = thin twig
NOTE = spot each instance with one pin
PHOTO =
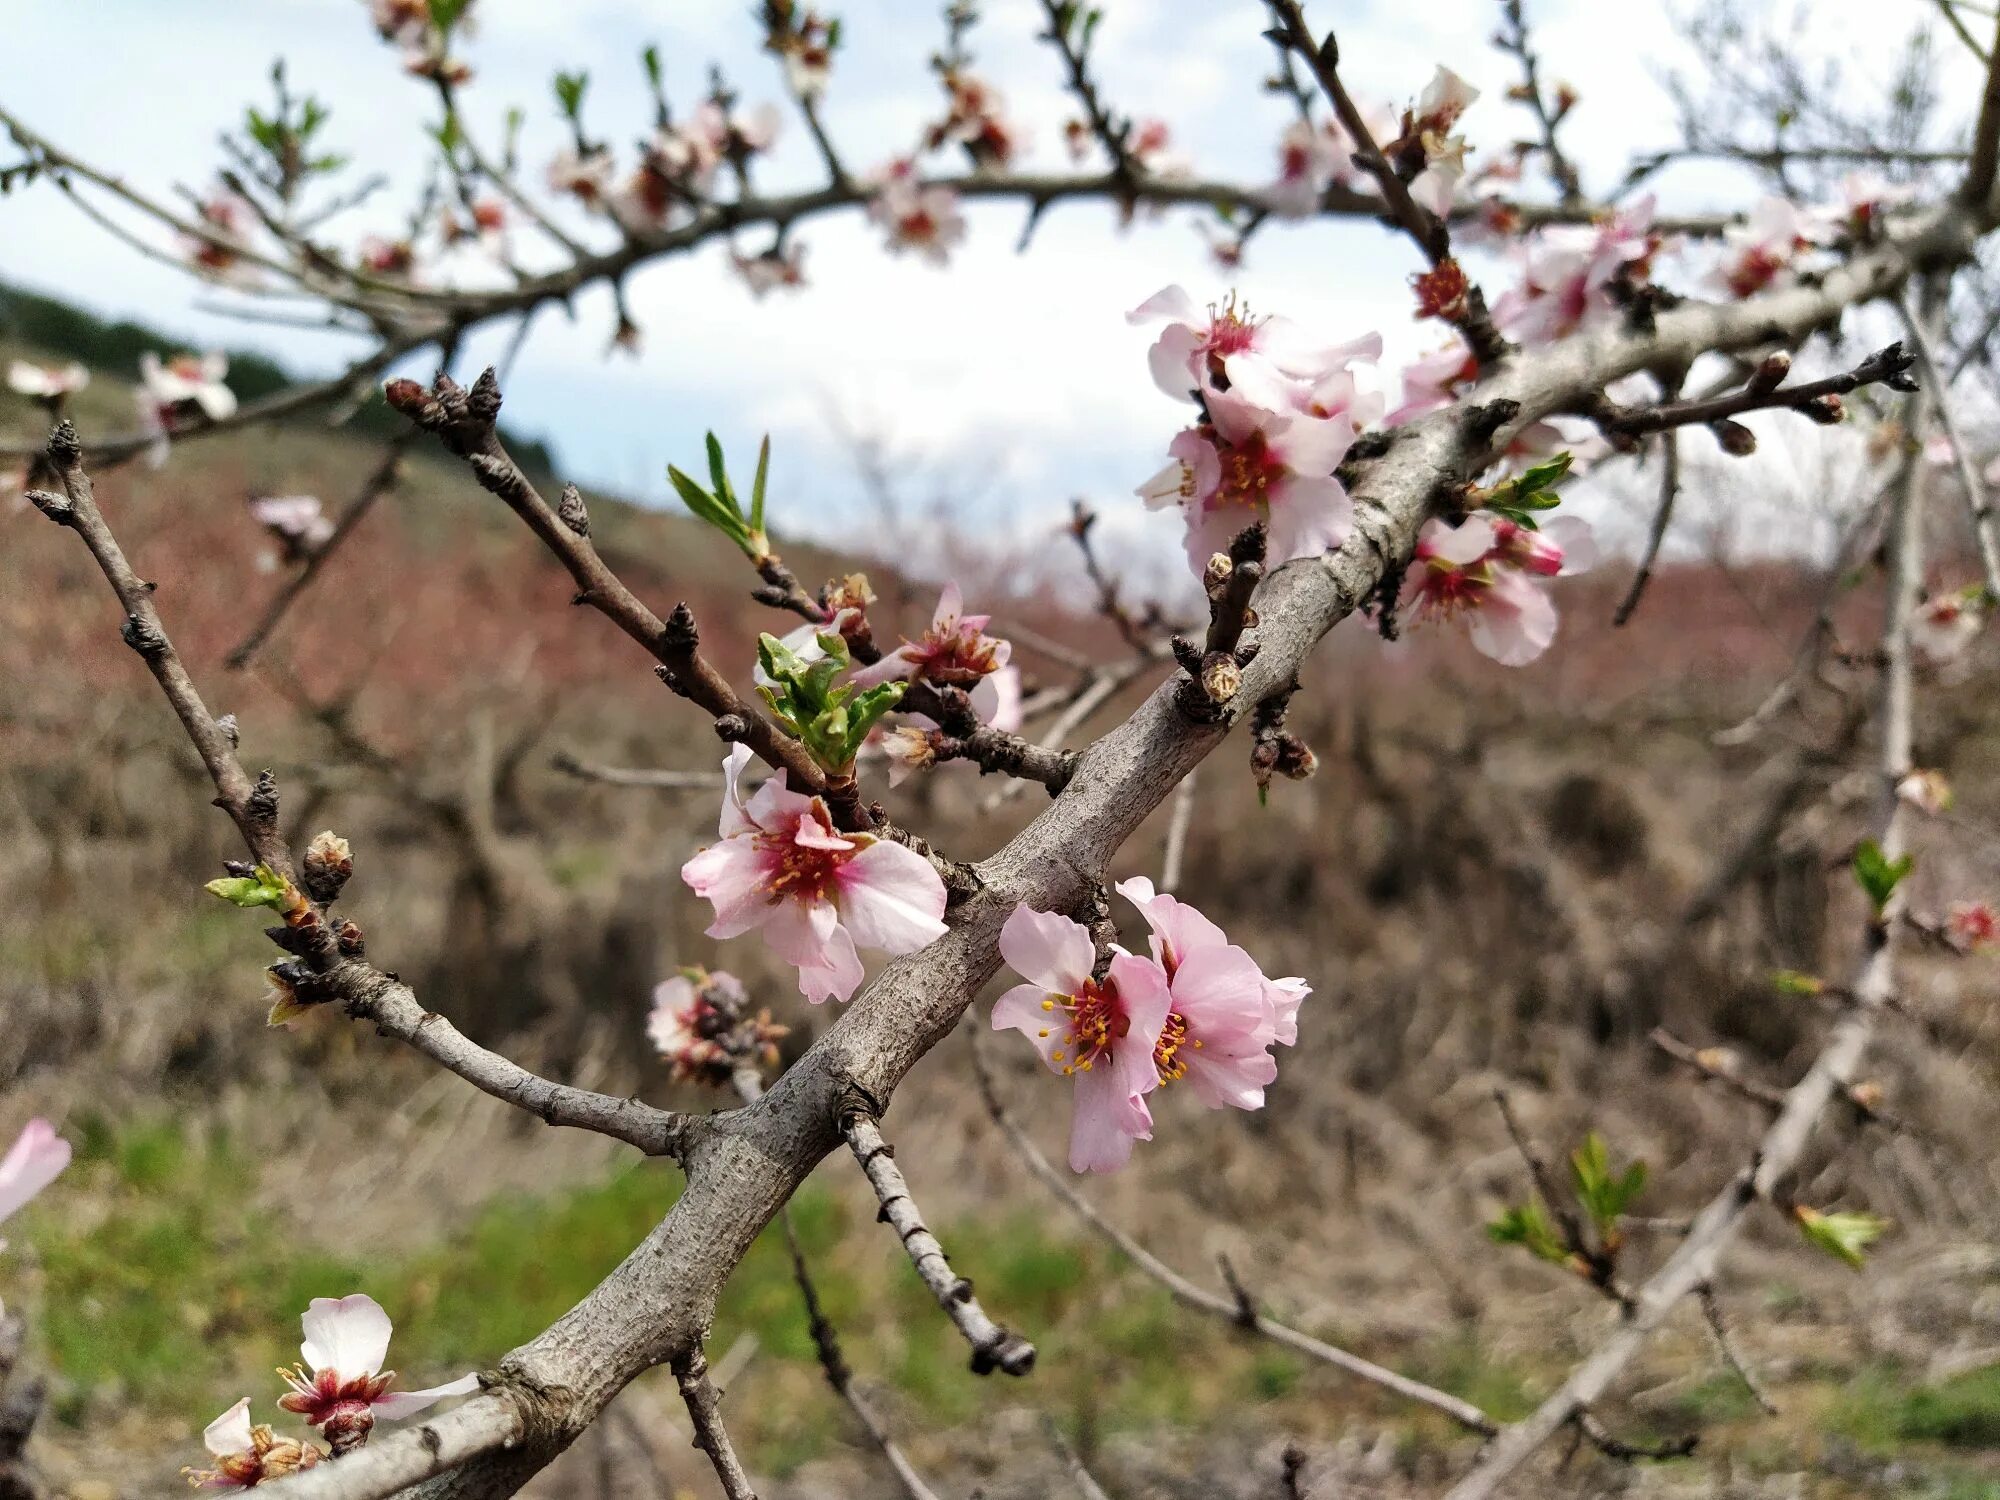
(1978, 502)
(1179, 819)
(1186, 1292)
(1711, 1309)
(1663, 515)
(704, 1404)
(645, 776)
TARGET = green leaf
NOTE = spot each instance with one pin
(709, 508)
(1842, 1235)
(1605, 1195)
(757, 486)
(445, 13)
(570, 89)
(650, 59)
(265, 888)
(1792, 982)
(1529, 1228)
(718, 474)
(1878, 874)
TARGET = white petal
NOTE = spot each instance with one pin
(229, 1434)
(1048, 949)
(399, 1404)
(349, 1335)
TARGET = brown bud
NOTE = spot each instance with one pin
(1296, 760)
(348, 1427)
(1215, 577)
(1737, 440)
(571, 512)
(407, 396)
(350, 939)
(327, 865)
(1826, 410)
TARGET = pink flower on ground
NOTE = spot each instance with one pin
(1483, 571)
(1227, 349)
(1571, 272)
(35, 1160)
(924, 219)
(1102, 1032)
(1945, 624)
(1249, 464)
(342, 1388)
(247, 1454)
(781, 866)
(1226, 1015)
(1974, 923)
(46, 382)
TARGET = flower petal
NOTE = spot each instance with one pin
(891, 898)
(1048, 949)
(349, 1335)
(399, 1404)
(35, 1159)
(1025, 1009)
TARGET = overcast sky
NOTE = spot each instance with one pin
(1014, 372)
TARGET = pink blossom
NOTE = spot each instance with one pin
(924, 219)
(955, 651)
(1864, 195)
(1102, 1032)
(381, 256)
(1571, 273)
(1249, 464)
(301, 526)
(977, 120)
(404, 22)
(342, 1387)
(781, 268)
(1226, 1015)
(1229, 349)
(780, 865)
(36, 1159)
(220, 252)
(1433, 382)
(1758, 255)
(1945, 624)
(1974, 923)
(1927, 791)
(46, 382)
(583, 175)
(188, 379)
(1483, 571)
(1308, 160)
(1429, 127)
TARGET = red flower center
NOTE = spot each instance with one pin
(1096, 1023)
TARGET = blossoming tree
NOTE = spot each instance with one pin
(1303, 497)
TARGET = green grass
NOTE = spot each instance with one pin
(171, 1292)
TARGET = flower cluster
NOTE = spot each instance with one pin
(701, 1024)
(341, 1389)
(781, 866)
(1760, 253)
(976, 118)
(805, 43)
(1488, 572)
(1429, 153)
(1574, 275)
(1279, 412)
(1197, 1009)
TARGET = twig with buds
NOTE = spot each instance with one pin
(1596, 1261)
(1070, 29)
(704, 1404)
(1215, 671)
(1512, 39)
(1716, 1064)
(463, 420)
(1764, 391)
(993, 1347)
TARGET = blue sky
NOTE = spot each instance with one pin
(1012, 378)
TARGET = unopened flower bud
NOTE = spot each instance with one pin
(1221, 678)
(328, 864)
(348, 1427)
(1717, 1060)
(1770, 374)
(1296, 760)
(1215, 577)
(1826, 410)
(1737, 440)
(1867, 1095)
(407, 396)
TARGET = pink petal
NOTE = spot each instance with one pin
(1023, 1009)
(1048, 949)
(1171, 303)
(1172, 362)
(1578, 542)
(1517, 621)
(811, 833)
(1178, 929)
(809, 937)
(1144, 997)
(1220, 992)
(1308, 516)
(1108, 1119)
(950, 605)
(35, 1159)
(733, 820)
(891, 898)
(1284, 997)
(399, 1404)
(731, 875)
(1231, 1076)
(898, 666)
(349, 1335)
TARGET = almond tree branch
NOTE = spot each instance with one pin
(1231, 1309)
(1513, 40)
(1979, 175)
(1889, 366)
(993, 1347)
(1977, 499)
